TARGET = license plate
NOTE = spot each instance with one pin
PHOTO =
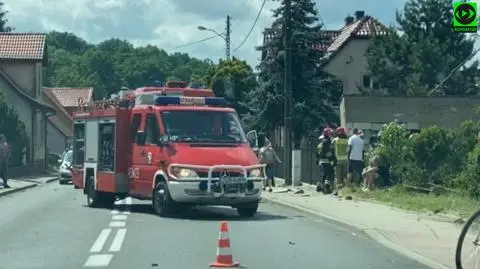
(234, 180)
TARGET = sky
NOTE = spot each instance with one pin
(170, 24)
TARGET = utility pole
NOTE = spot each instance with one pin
(227, 38)
(287, 113)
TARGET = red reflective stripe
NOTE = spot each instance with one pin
(225, 259)
(223, 243)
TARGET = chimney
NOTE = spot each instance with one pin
(349, 20)
(359, 14)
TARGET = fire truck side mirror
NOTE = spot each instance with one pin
(140, 138)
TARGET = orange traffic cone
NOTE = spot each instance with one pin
(224, 253)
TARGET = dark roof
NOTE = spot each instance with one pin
(334, 40)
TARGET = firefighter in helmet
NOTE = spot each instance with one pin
(327, 160)
(340, 146)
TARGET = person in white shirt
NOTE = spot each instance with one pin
(356, 146)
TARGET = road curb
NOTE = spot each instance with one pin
(372, 234)
(14, 190)
(52, 179)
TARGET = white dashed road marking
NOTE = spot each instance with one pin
(101, 239)
(99, 260)
(119, 217)
(118, 240)
(118, 223)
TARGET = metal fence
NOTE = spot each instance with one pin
(310, 172)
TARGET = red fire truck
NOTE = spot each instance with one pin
(174, 145)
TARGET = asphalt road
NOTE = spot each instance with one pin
(50, 227)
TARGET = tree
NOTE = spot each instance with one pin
(232, 79)
(113, 64)
(14, 130)
(416, 57)
(311, 86)
(3, 19)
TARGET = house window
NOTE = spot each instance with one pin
(367, 81)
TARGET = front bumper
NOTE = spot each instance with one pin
(212, 191)
(65, 174)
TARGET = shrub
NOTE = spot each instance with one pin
(431, 150)
(14, 130)
(468, 178)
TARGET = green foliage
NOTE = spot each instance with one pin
(3, 20)
(435, 156)
(232, 79)
(424, 54)
(312, 89)
(113, 64)
(14, 131)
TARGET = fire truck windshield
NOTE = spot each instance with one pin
(203, 127)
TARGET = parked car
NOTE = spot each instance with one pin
(64, 171)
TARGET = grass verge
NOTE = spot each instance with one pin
(398, 196)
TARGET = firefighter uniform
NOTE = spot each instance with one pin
(340, 146)
(326, 159)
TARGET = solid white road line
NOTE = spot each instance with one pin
(118, 240)
(119, 217)
(117, 224)
(101, 239)
(98, 260)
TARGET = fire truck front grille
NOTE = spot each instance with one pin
(219, 173)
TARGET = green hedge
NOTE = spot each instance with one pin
(436, 155)
(14, 130)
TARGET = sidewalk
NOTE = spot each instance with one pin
(416, 235)
(23, 183)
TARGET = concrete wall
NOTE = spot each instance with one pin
(28, 77)
(24, 74)
(56, 140)
(21, 105)
(350, 64)
(370, 112)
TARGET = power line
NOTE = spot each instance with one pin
(253, 26)
(197, 42)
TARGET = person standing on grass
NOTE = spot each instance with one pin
(4, 157)
(356, 147)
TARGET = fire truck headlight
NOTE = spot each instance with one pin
(255, 173)
(185, 173)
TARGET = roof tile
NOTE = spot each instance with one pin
(22, 46)
(69, 97)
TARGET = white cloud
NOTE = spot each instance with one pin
(172, 23)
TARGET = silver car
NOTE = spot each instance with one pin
(64, 171)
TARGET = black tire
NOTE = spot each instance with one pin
(62, 181)
(162, 202)
(461, 239)
(248, 210)
(107, 200)
(93, 199)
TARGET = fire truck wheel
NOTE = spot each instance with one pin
(248, 210)
(162, 202)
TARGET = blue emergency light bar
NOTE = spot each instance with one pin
(190, 101)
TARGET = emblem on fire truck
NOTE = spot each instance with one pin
(149, 158)
(133, 172)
